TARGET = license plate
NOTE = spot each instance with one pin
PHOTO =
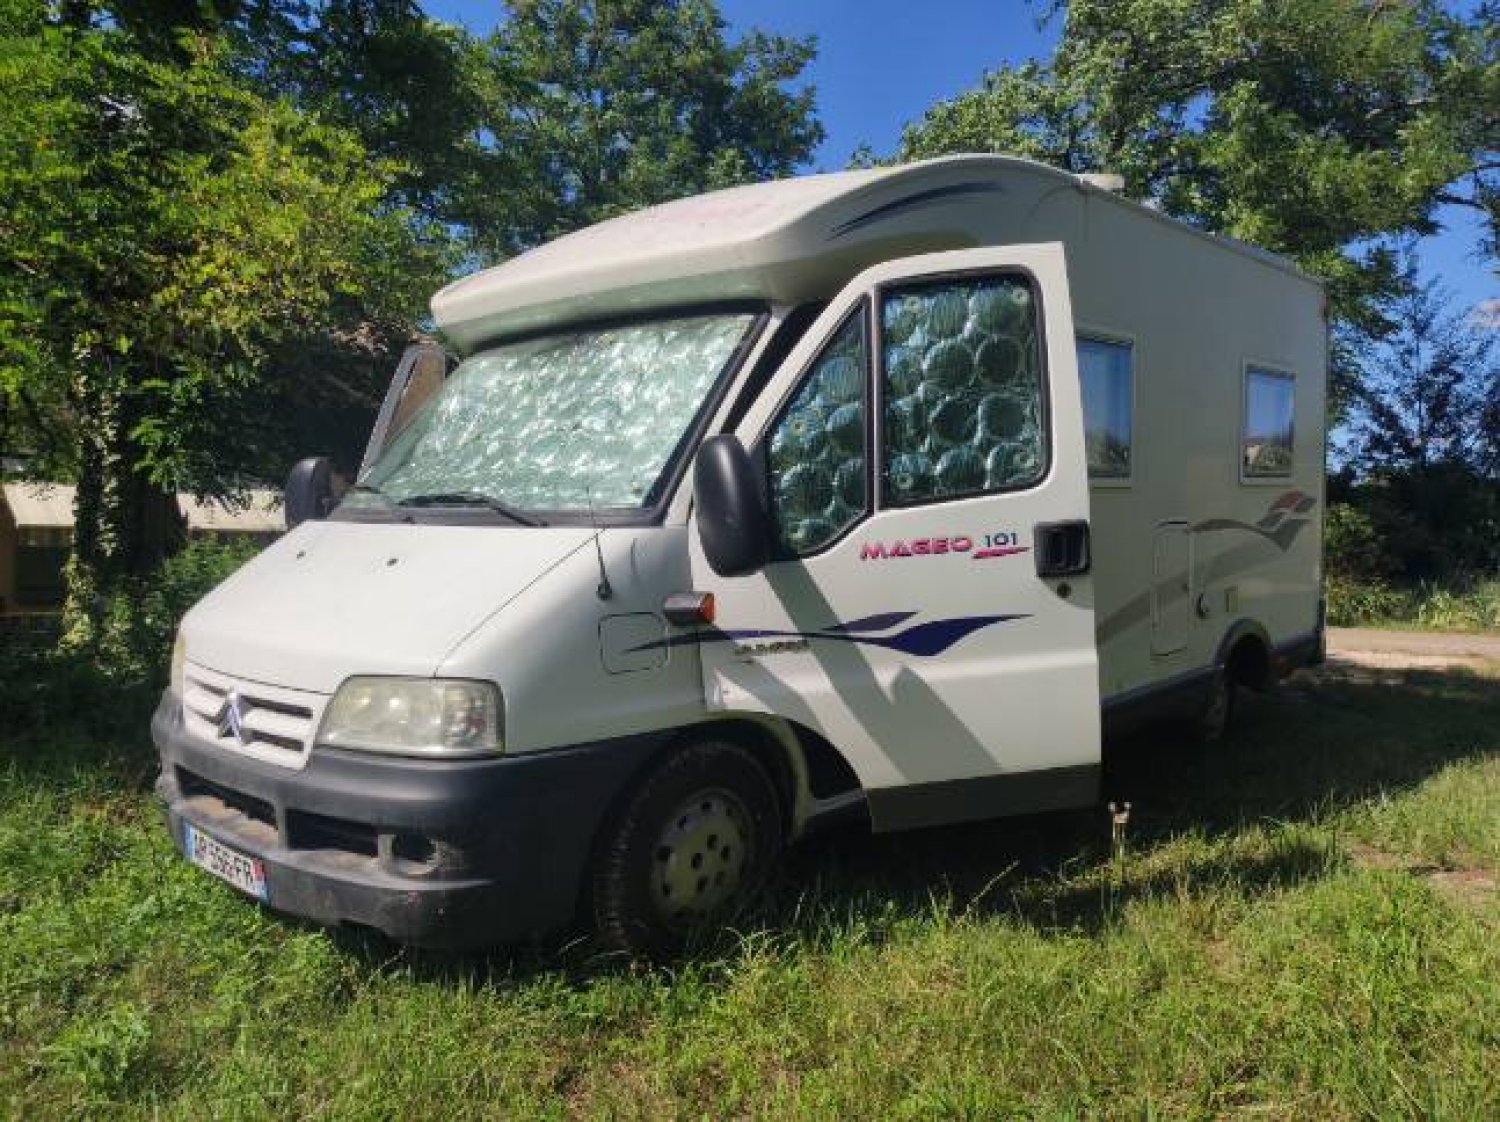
(241, 870)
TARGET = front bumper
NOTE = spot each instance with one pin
(453, 854)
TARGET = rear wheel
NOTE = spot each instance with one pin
(1212, 721)
(693, 840)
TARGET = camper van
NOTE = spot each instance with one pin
(882, 493)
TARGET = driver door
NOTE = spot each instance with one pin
(929, 608)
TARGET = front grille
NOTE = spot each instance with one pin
(194, 786)
(275, 724)
(320, 831)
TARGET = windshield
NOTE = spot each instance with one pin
(561, 423)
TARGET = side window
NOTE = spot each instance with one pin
(817, 447)
(1266, 438)
(1106, 373)
(963, 390)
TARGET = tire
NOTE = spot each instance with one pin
(1217, 711)
(692, 841)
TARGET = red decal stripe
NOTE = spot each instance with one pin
(980, 555)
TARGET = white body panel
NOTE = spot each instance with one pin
(332, 599)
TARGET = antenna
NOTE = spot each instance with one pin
(605, 590)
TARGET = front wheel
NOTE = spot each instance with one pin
(694, 838)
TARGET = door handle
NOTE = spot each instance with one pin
(1062, 548)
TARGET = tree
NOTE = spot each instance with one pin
(597, 107)
(1425, 386)
(168, 235)
(1315, 128)
(217, 218)
(1419, 444)
(406, 85)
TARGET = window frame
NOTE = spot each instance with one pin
(1248, 367)
(1132, 344)
(761, 453)
(878, 375)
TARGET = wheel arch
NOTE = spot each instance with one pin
(1244, 655)
(803, 765)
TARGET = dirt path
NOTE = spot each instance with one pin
(1367, 647)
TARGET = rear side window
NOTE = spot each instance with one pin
(1106, 372)
(817, 447)
(1266, 438)
(962, 388)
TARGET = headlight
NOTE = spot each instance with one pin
(179, 661)
(414, 717)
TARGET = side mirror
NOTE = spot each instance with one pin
(309, 491)
(732, 520)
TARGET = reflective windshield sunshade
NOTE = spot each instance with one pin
(564, 422)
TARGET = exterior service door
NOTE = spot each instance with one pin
(929, 609)
(1171, 587)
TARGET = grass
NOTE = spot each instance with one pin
(1302, 923)
(1425, 607)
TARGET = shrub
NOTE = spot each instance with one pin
(141, 621)
(1353, 546)
(1354, 603)
(1475, 610)
(1440, 524)
(116, 683)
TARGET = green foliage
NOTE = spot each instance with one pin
(172, 237)
(1423, 391)
(1478, 609)
(141, 618)
(167, 234)
(219, 220)
(1352, 545)
(598, 107)
(1363, 603)
(408, 87)
(1436, 524)
(1419, 547)
(115, 682)
(1375, 603)
(1314, 128)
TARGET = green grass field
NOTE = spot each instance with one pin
(1303, 923)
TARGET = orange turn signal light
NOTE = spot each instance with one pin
(690, 609)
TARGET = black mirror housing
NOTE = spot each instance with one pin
(309, 491)
(731, 515)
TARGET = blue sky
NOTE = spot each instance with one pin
(882, 62)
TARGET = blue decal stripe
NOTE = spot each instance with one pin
(881, 622)
(923, 640)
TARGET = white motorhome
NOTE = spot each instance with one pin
(879, 491)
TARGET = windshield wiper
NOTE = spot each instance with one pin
(472, 498)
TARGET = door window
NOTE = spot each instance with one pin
(964, 411)
(817, 447)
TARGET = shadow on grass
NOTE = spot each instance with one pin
(1319, 743)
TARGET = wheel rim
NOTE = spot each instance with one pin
(700, 856)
